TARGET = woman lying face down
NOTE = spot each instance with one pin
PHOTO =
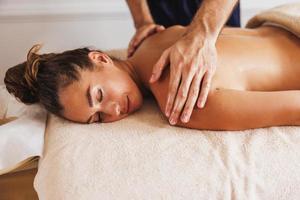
(256, 83)
(81, 85)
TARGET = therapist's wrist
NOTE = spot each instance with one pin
(202, 31)
(199, 36)
(143, 22)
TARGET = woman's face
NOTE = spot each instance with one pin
(105, 94)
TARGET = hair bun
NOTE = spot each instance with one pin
(32, 67)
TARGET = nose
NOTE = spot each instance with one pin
(112, 108)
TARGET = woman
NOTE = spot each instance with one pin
(256, 83)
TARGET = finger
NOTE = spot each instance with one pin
(130, 49)
(160, 28)
(138, 38)
(160, 65)
(142, 35)
(205, 87)
(182, 93)
(130, 52)
(175, 77)
(192, 98)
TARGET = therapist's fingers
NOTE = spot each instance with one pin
(192, 98)
(205, 88)
(181, 97)
(130, 51)
(159, 66)
(160, 28)
(141, 35)
(174, 82)
(138, 38)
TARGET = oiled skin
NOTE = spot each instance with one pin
(255, 69)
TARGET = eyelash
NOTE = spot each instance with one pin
(100, 92)
(99, 113)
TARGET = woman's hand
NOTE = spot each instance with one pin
(142, 33)
(192, 60)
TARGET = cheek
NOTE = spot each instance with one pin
(120, 84)
(114, 118)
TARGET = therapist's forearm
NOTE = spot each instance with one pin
(140, 12)
(210, 18)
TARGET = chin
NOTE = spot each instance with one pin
(135, 102)
(137, 107)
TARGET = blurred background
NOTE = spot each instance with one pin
(67, 24)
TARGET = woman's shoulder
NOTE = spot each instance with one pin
(157, 43)
(170, 34)
(175, 28)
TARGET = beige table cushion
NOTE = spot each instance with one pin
(143, 157)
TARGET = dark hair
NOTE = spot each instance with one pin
(39, 79)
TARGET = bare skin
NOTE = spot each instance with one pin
(256, 82)
(192, 57)
(254, 69)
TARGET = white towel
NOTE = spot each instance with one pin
(23, 137)
(285, 16)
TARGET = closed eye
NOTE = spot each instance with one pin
(100, 95)
(100, 98)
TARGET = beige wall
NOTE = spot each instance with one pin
(60, 25)
(67, 24)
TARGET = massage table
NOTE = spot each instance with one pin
(143, 157)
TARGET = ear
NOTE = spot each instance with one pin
(99, 57)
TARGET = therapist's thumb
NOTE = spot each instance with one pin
(162, 62)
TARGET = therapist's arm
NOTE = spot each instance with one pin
(140, 12)
(210, 18)
(143, 23)
(193, 60)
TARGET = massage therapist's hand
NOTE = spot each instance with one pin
(142, 33)
(192, 60)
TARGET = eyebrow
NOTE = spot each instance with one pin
(88, 96)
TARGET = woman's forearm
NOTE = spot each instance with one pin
(140, 12)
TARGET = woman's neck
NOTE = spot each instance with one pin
(129, 68)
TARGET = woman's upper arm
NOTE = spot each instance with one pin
(229, 109)
(200, 119)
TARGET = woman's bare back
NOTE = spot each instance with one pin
(263, 59)
(255, 85)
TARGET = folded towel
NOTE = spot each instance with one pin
(285, 16)
(22, 133)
